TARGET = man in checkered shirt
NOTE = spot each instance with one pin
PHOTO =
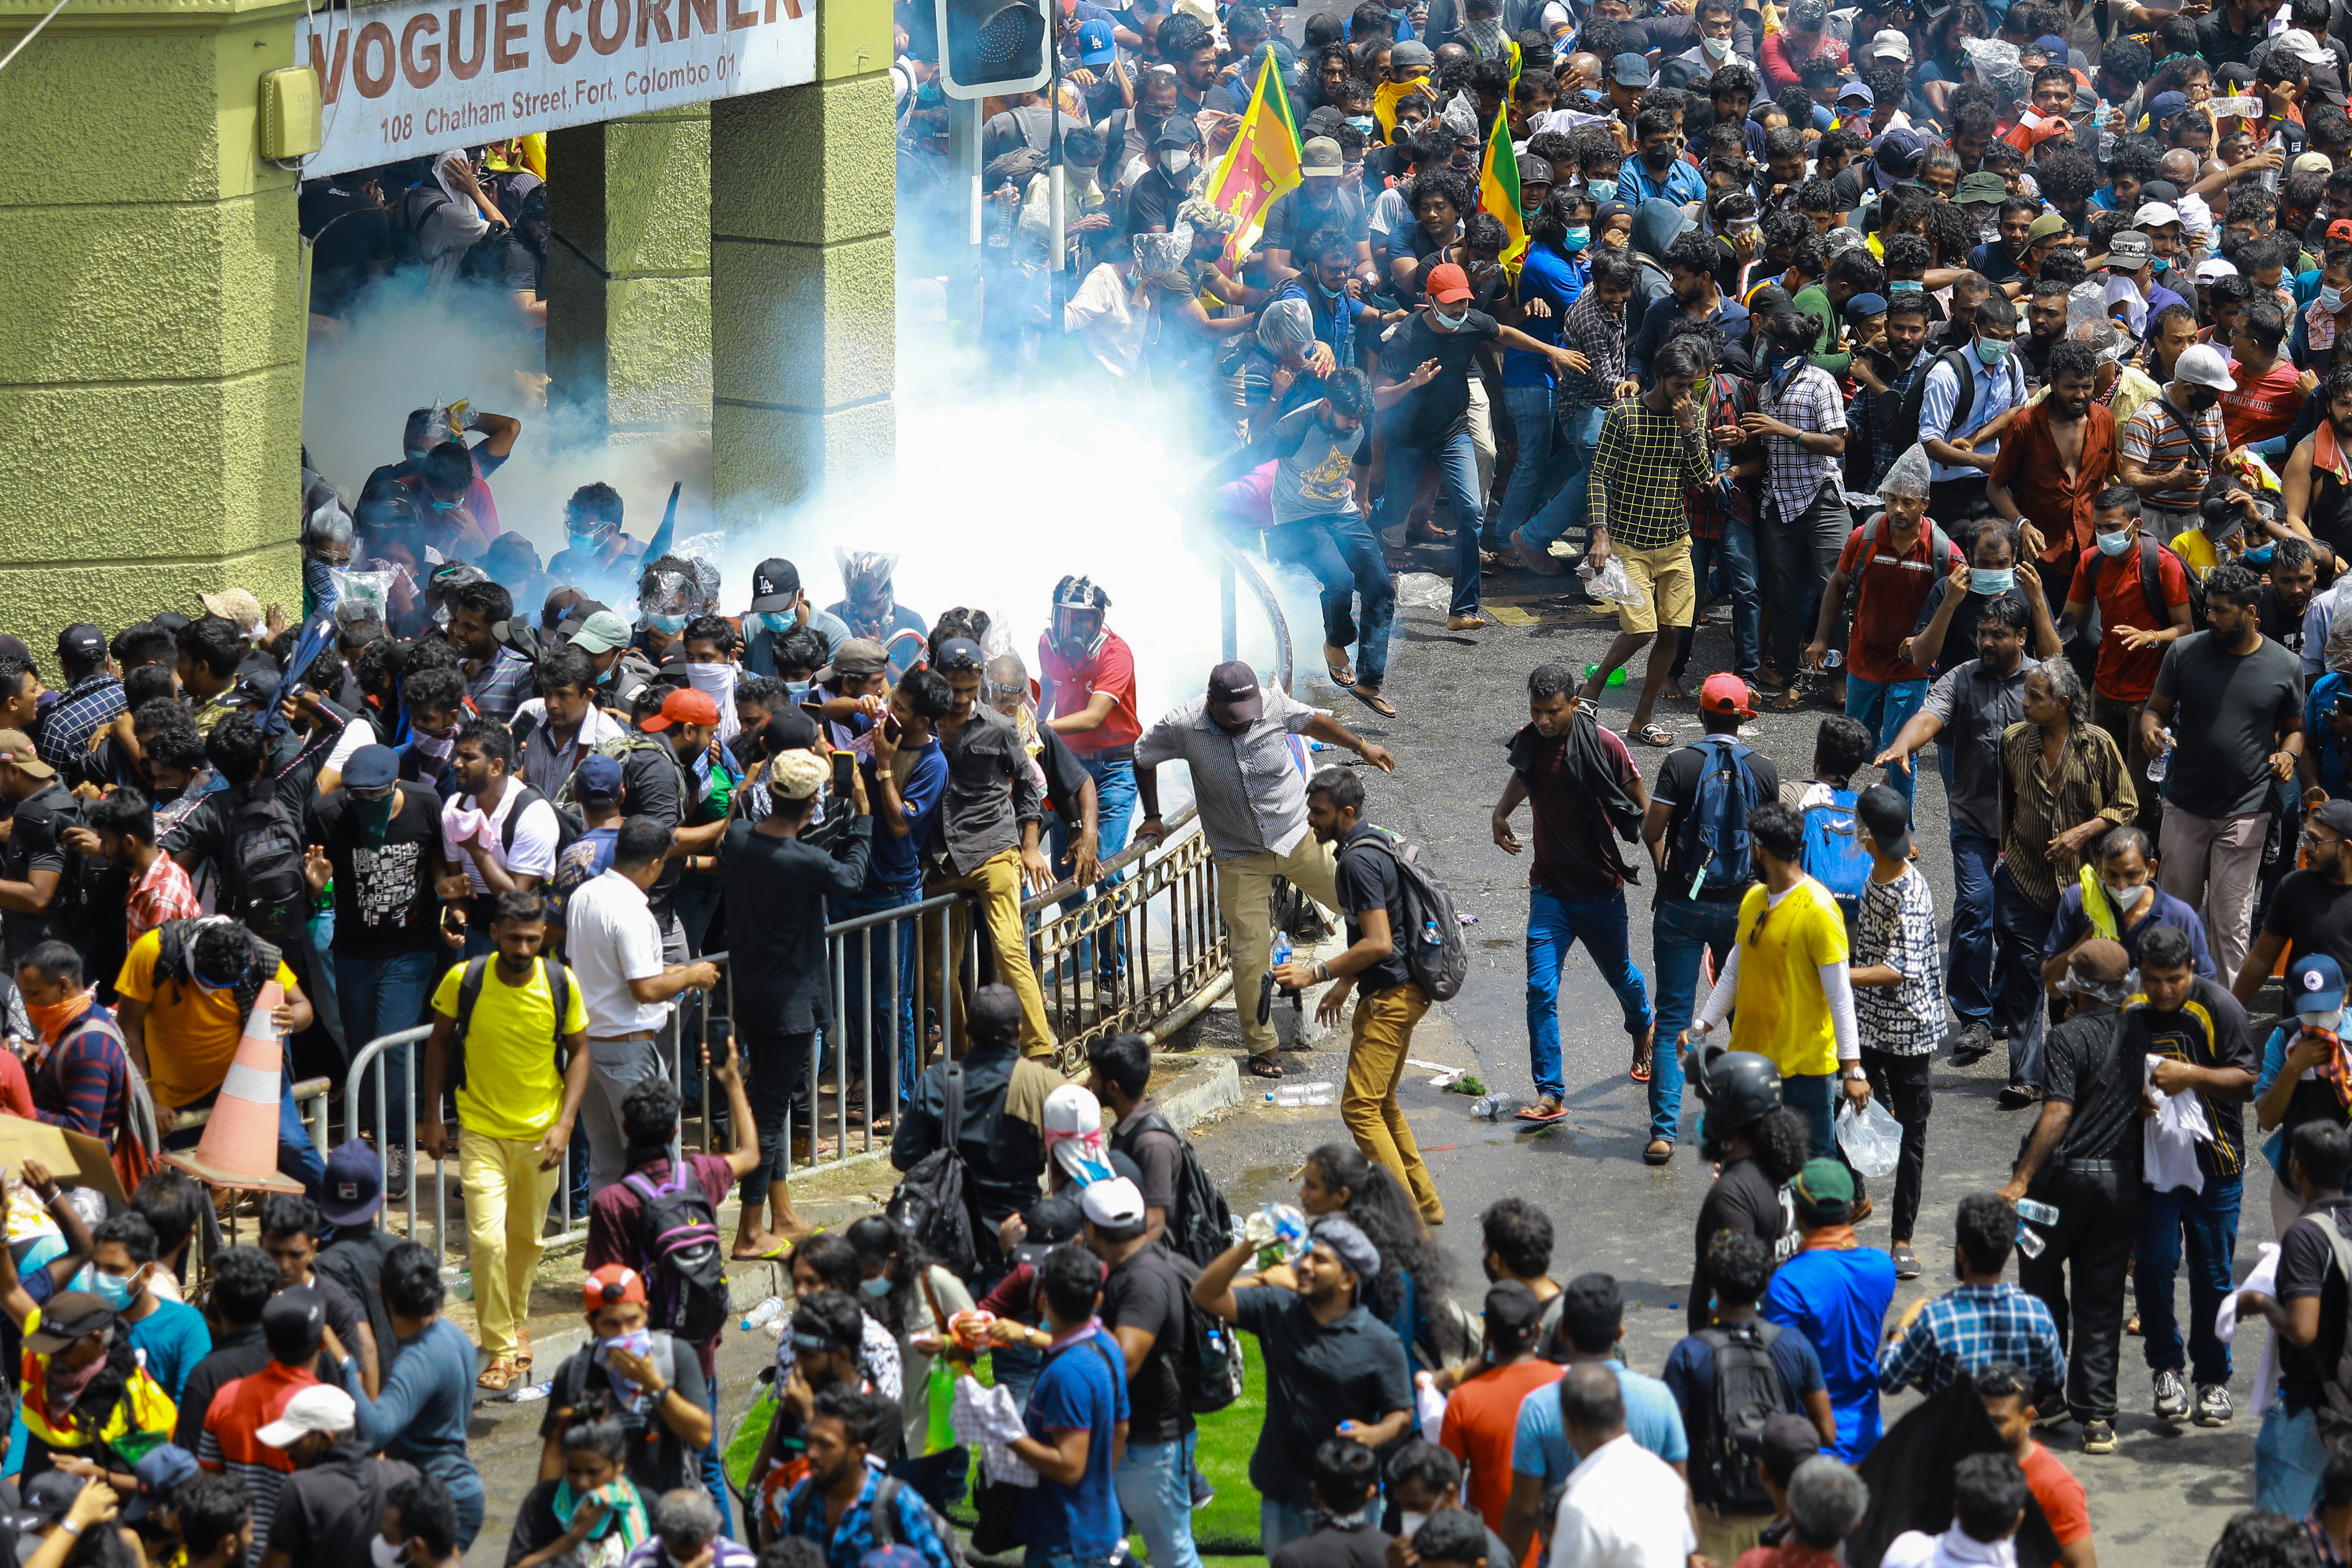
(92, 698)
(1982, 1319)
(1805, 524)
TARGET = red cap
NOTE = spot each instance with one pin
(683, 706)
(1725, 693)
(1447, 283)
(612, 1284)
(2340, 229)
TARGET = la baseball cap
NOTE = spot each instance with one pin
(773, 585)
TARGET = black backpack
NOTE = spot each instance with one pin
(930, 1201)
(1749, 1389)
(1903, 427)
(405, 219)
(1210, 1368)
(686, 1269)
(261, 870)
(2151, 583)
(469, 992)
(1431, 944)
(567, 827)
(1199, 1223)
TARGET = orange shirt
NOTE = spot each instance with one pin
(1482, 1422)
(2053, 1486)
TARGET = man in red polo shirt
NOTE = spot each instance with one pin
(1089, 702)
(292, 1325)
(2133, 637)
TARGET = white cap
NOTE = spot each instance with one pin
(2154, 215)
(1074, 1133)
(2201, 364)
(2213, 267)
(321, 1407)
(1115, 1202)
(1887, 41)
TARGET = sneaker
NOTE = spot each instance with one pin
(2018, 1096)
(2213, 1407)
(2099, 1436)
(2171, 1396)
(395, 1174)
(1906, 1262)
(1972, 1043)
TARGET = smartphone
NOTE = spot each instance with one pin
(843, 764)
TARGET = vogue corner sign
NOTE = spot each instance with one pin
(422, 75)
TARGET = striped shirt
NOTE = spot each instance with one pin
(1597, 332)
(2036, 805)
(499, 689)
(232, 1443)
(2157, 441)
(83, 1082)
(1640, 467)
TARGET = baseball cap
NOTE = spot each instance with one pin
(1534, 171)
(611, 1285)
(2334, 816)
(685, 705)
(1856, 90)
(1321, 156)
(1447, 283)
(1073, 1129)
(1887, 818)
(777, 580)
(353, 1188)
(1823, 1189)
(46, 1499)
(17, 747)
(1411, 52)
(862, 657)
(960, 653)
(1233, 685)
(1886, 41)
(294, 1317)
(1626, 70)
(1984, 188)
(602, 633)
(2129, 251)
(1724, 691)
(2155, 215)
(320, 1407)
(2200, 364)
(2214, 266)
(2054, 46)
(2046, 226)
(1897, 151)
(70, 1316)
(1842, 239)
(1177, 131)
(158, 1473)
(598, 778)
(1783, 1442)
(796, 774)
(2310, 163)
(236, 605)
(81, 642)
(1095, 45)
(1862, 306)
(2163, 106)
(2315, 981)
(1513, 1316)
(372, 767)
(2102, 961)
(1115, 1201)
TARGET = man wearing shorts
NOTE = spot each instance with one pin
(1650, 447)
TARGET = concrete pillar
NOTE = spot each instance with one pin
(802, 274)
(628, 272)
(151, 323)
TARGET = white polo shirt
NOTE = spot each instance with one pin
(610, 937)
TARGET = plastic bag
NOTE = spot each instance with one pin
(1611, 585)
(1424, 590)
(1871, 1138)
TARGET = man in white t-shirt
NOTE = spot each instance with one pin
(1624, 1506)
(501, 831)
(614, 946)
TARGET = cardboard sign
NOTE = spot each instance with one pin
(75, 1159)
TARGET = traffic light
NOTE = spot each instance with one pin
(989, 48)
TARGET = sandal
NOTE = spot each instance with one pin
(1343, 673)
(1651, 734)
(1374, 701)
(499, 1376)
(522, 1352)
(1657, 1152)
(1268, 1066)
(1543, 1113)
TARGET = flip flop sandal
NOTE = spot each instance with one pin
(1538, 1114)
(1657, 1152)
(1652, 733)
(1343, 674)
(1265, 1066)
(1374, 701)
(1639, 1072)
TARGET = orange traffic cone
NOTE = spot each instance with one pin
(239, 1148)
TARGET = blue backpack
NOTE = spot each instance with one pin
(1712, 852)
(1833, 855)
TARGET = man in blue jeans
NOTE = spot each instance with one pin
(1089, 702)
(1320, 498)
(1586, 794)
(909, 779)
(1697, 906)
(1594, 332)
(2197, 1032)
(1144, 1308)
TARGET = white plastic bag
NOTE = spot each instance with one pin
(1871, 1137)
(1611, 585)
(1424, 590)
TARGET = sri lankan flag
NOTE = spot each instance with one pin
(1261, 164)
(1499, 190)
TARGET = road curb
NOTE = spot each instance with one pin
(1203, 1088)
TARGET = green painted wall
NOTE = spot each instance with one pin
(152, 330)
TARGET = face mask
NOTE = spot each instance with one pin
(580, 541)
(1444, 323)
(2331, 300)
(1906, 286)
(1991, 580)
(1657, 157)
(115, 1292)
(2125, 899)
(374, 818)
(669, 625)
(1362, 122)
(1578, 236)
(1990, 353)
(2114, 543)
(1174, 164)
(384, 1554)
(1412, 1523)
(1603, 191)
(877, 1287)
(2327, 1020)
(1715, 48)
(798, 691)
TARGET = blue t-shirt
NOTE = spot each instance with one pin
(420, 1415)
(589, 857)
(1084, 1384)
(1541, 1446)
(1557, 281)
(175, 1337)
(1838, 1301)
(896, 865)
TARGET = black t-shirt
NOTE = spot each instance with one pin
(1298, 216)
(2209, 1030)
(1441, 409)
(342, 1309)
(1368, 879)
(1960, 637)
(2237, 705)
(1151, 202)
(1332, 1547)
(2314, 914)
(657, 1465)
(355, 1262)
(1744, 1198)
(36, 843)
(2280, 625)
(329, 1511)
(2088, 1066)
(1145, 1292)
(1157, 1151)
(1317, 1375)
(2306, 1267)
(384, 903)
(1677, 786)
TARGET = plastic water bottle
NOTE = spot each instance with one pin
(1616, 676)
(531, 1393)
(1281, 949)
(1833, 660)
(1492, 1107)
(1431, 934)
(1322, 1091)
(2040, 1213)
(2030, 1240)
(764, 1314)
(2161, 764)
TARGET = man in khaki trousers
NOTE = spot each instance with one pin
(1249, 785)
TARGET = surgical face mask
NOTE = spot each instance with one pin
(1175, 162)
(1444, 323)
(1603, 191)
(1905, 285)
(668, 625)
(116, 1293)
(1991, 580)
(798, 691)
(1362, 122)
(2114, 543)
(1578, 236)
(877, 1287)
(2328, 1019)
(2331, 300)
(383, 1553)
(579, 541)
(1991, 352)
(2125, 899)
(1412, 1523)
(1715, 48)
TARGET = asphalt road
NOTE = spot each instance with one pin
(2160, 1498)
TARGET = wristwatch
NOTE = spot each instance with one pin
(1851, 1071)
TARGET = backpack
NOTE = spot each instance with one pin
(2151, 583)
(1833, 853)
(618, 748)
(573, 1376)
(1211, 1369)
(686, 1272)
(567, 826)
(1902, 429)
(882, 1520)
(1712, 852)
(1748, 1389)
(930, 1201)
(1199, 1223)
(469, 992)
(405, 217)
(1432, 944)
(261, 872)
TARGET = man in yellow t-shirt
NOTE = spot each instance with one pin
(185, 988)
(515, 1107)
(1786, 984)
